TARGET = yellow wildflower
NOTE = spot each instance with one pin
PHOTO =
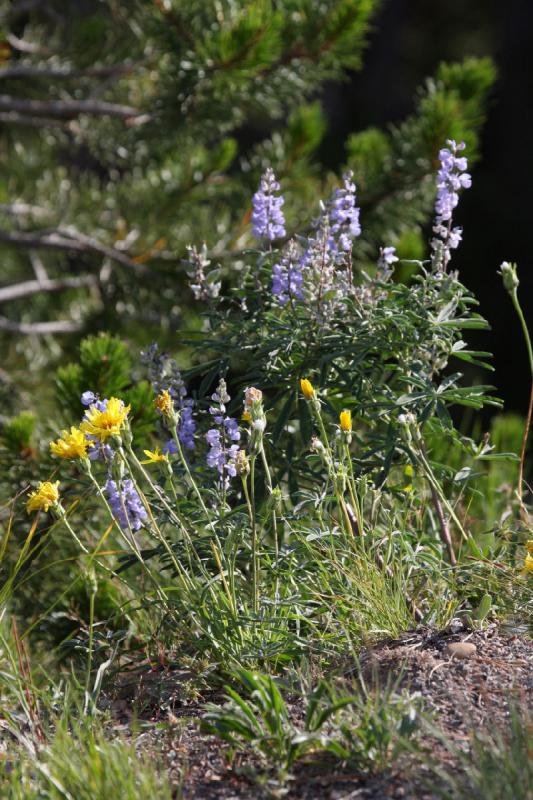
(246, 416)
(345, 420)
(46, 495)
(164, 404)
(70, 445)
(529, 546)
(106, 423)
(307, 389)
(153, 456)
(528, 563)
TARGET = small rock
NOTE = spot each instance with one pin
(461, 649)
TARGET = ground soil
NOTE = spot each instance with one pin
(461, 696)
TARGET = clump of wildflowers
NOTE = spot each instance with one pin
(125, 504)
(222, 454)
(268, 221)
(105, 418)
(45, 496)
(451, 177)
(71, 445)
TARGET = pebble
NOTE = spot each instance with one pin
(461, 649)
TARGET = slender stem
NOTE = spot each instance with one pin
(444, 527)
(524, 447)
(255, 558)
(188, 471)
(527, 337)
(74, 535)
(90, 652)
(340, 500)
(251, 514)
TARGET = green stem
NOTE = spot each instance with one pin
(188, 471)
(255, 559)
(527, 337)
(251, 514)
(90, 653)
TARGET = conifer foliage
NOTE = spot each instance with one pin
(127, 128)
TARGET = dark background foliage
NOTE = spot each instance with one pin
(410, 37)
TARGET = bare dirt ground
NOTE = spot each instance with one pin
(460, 695)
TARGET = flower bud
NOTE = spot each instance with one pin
(242, 465)
(345, 420)
(510, 278)
(307, 389)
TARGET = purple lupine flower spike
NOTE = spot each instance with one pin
(451, 177)
(344, 217)
(268, 221)
(287, 276)
(222, 453)
(125, 504)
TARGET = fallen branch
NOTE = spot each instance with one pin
(40, 328)
(65, 239)
(65, 109)
(30, 71)
(27, 288)
(14, 118)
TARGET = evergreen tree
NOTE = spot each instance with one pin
(130, 130)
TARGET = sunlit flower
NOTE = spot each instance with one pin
(529, 546)
(345, 419)
(528, 563)
(164, 404)
(307, 389)
(46, 495)
(103, 421)
(152, 457)
(267, 215)
(71, 445)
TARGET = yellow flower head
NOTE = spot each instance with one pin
(164, 404)
(528, 563)
(153, 456)
(46, 495)
(246, 416)
(307, 389)
(529, 546)
(105, 423)
(345, 419)
(70, 445)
